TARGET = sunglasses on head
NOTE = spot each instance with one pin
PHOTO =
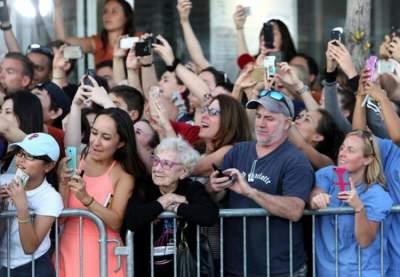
(275, 95)
(37, 48)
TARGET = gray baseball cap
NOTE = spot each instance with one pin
(274, 101)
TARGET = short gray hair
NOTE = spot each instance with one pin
(185, 152)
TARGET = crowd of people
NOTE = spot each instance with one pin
(127, 146)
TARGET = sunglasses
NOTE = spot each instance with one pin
(37, 48)
(275, 95)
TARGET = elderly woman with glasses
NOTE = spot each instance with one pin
(174, 160)
(357, 182)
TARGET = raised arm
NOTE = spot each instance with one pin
(239, 17)
(192, 43)
(317, 159)
(119, 55)
(390, 117)
(87, 44)
(196, 85)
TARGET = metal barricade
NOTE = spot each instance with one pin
(9, 215)
(246, 213)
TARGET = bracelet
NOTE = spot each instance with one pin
(6, 28)
(90, 202)
(358, 211)
(24, 221)
(171, 68)
(146, 65)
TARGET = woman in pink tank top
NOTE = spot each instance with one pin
(109, 167)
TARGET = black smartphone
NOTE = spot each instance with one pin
(152, 40)
(86, 80)
(268, 33)
(336, 34)
(4, 14)
(220, 173)
(142, 48)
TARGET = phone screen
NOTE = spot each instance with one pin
(268, 33)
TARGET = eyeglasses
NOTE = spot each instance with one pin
(210, 111)
(275, 95)
(37, 48)
(165, 164)
(22, 154)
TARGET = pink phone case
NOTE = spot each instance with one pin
(340, 172)
(370, 65)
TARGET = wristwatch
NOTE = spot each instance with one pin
(303, 90)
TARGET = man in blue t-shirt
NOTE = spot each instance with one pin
(273, 174)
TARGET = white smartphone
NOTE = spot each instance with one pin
(247, 11)
(127, 43)
(73, 52)
(21, 178)
(384, 66)
(269, 65)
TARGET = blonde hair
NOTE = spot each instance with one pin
(374, 170)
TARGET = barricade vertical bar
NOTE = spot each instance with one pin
(57, 249)
(244, 248)
(382, 252)
(336, 247)
(80, 246)
(313, 246)
(359, 260)
(291, 248)
(152, 248)
(175, 245)
(267, 244)
(221, 245)
(33, 264)
(198, 249)
(130, 259)
(8, 247)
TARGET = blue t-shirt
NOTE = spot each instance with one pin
(377, 203)
(285, 171)
(390, 155)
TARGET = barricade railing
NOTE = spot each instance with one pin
(128, 250)
(246, 213)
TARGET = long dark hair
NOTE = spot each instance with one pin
(288, 49)
(129, 28)
(28, 110)
(333, 135)
(126, 155)
(234, 125)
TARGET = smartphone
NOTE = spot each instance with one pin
(268, 33)
(127, 43)
(152, 40)
(71, 152)
(269, 65)
(336, 34)
(4, 14)
(257, 74)
(278, 56)
(142, 48)
(384, 66)
(86, 80)
(342, 178)
(21, 178)
(73, 52)
(247, 11)
(370, 64)
(220, 173)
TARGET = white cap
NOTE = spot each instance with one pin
(39, 144)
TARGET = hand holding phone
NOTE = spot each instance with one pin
(220, 172)
(21, 178)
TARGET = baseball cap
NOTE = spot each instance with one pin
(58, 95)
(274, 101)
(39, 144)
